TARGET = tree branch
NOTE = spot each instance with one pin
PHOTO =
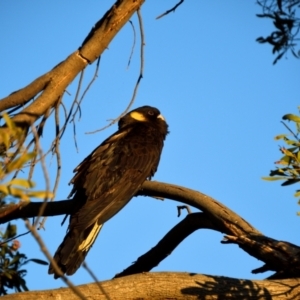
(53, 84)
(174, 286)
(169, 242)
(216, 210)
(278, 256)
(227, 219)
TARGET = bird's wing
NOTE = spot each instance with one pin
(111, 175)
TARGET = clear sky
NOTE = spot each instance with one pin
(222, 98)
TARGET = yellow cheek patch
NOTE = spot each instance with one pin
(138, 116)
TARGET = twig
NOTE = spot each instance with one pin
(290, 130)
(57, 153)
(181, 207)
(14, 238)
(87, 88)
(74, 135)
(72, 106)
(58, 160)
(64, 108)
(113, 121)
(43, 122)
(46, 176)
(91, 273)
(170, 10)
(133, 44)
(141, 61)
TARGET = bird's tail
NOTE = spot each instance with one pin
(72, 251)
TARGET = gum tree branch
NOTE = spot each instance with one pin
(53, 84)
(278, 256)
(180, 286)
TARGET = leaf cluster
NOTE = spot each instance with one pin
(12, 160)
(288, 166)
(12, 262)
(287, 26)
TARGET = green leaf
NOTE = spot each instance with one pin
(274, 178)
(292, 149)
(5, 137)
(22, 182)
(297, 194)
(19, 162)
(279, 172)
(280, 136)
(10, 124)
(15, 259)
(18, 193)
(38, 261)
(294, 172)
(10, 232)
(291, 142)
(4, 189)
(7, 275)
(298, 156)
(290, 181)
(288, 153)
(291, 117)
(22, 282)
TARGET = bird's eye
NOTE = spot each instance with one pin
(150, 112)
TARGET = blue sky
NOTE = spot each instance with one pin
(223, 100)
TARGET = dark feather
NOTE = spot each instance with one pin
(108, 178)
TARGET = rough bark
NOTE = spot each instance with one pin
(52, 85)
(278, 256)
(174, 286)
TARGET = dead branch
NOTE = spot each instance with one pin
(170, 10)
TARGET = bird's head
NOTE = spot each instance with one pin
(143, 114)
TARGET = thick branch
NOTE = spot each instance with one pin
(54, 83)
(281, 257)
(217, 211)
(32, 209)
(174, 286)
(169, 242)
(22, 96)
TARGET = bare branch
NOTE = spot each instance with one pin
(181, 207)
(113, 121)
(169, 242)
(53, 84)
(220, 217)
(216, 210)
(22, 96)
(45, 173)
(276, 254)
(170, 10)
(141, 60)
(133, 44)
(233, 223)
